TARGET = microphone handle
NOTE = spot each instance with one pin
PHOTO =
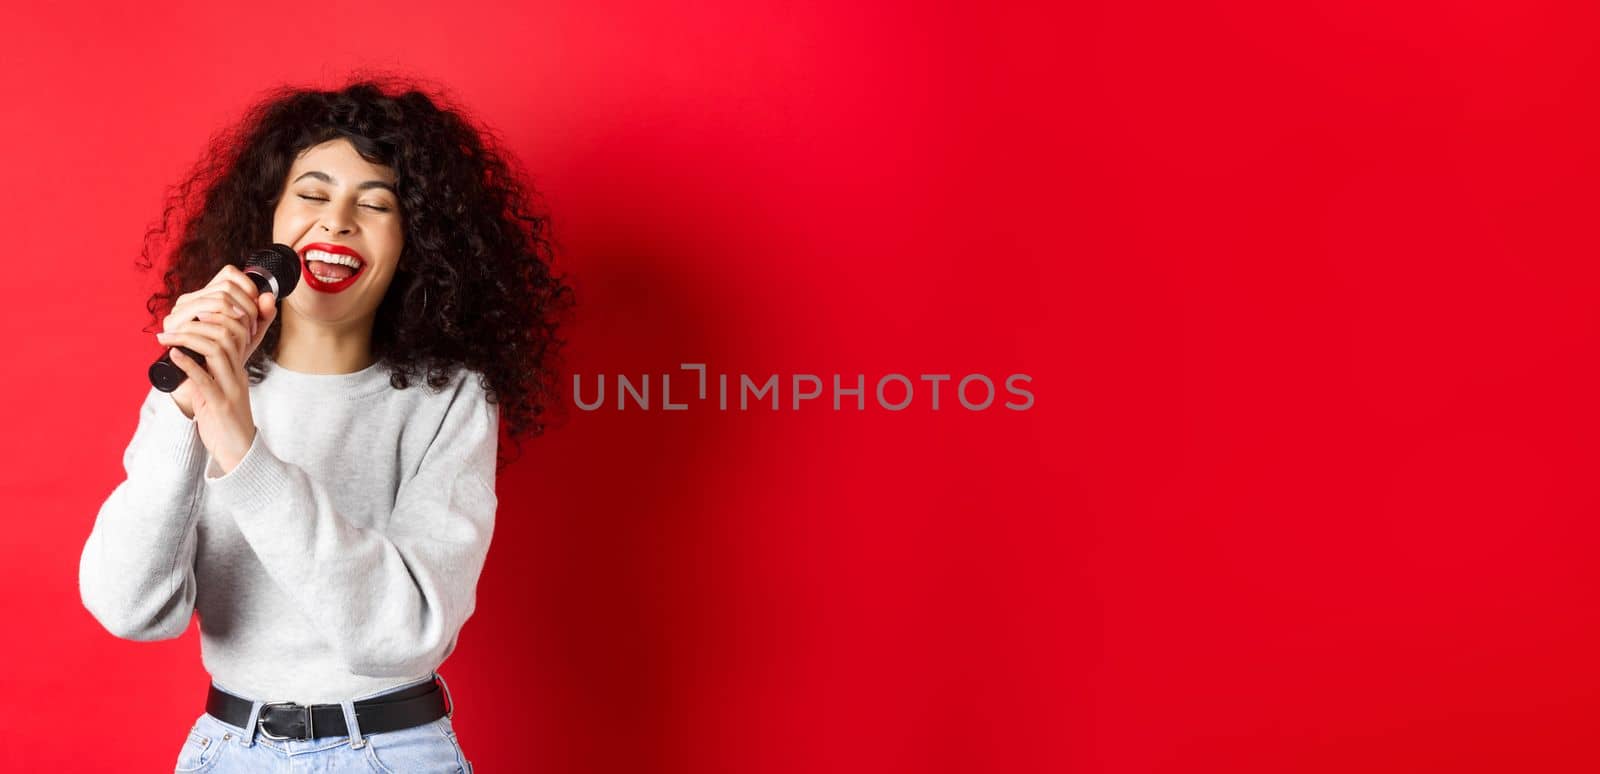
(166, 376)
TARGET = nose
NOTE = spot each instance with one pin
(336, 221)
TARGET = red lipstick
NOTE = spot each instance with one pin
(329, 287)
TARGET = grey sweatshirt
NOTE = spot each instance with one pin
(338, 559)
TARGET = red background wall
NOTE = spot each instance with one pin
(1304, 289)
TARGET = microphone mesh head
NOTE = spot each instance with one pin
(282, 262)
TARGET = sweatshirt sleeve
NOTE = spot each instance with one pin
(390, 602)
(136, 572)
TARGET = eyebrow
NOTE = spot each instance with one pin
(326, 178)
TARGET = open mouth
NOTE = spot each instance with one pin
(330, 268)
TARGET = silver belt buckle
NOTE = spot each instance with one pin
(261, 720)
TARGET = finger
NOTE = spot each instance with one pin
(205, 300)
(269, 310)
(245, 302)
(211, 332)
(205, 338)
(236, 329)
(215, 302)
(205, 386)
(246, 286)
(237, 276)
(235, 283)
(258, 330)
(221, 361)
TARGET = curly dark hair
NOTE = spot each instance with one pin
(474, 286)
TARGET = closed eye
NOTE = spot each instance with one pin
(373, 207)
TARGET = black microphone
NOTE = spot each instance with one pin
(275, 270)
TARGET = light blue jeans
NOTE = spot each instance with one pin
(223, 748)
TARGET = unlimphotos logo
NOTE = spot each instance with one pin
(893, 392)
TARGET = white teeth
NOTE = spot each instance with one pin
(327, 257)
(329, 280)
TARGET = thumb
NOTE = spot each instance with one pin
(266, 310)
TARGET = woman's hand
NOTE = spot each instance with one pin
(229, 292)
(232, 322)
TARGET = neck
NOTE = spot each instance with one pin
(319, 347)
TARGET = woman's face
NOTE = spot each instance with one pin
(338, 207)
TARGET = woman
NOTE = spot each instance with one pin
(326, 518)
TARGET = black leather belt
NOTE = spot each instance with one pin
(281, 720)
